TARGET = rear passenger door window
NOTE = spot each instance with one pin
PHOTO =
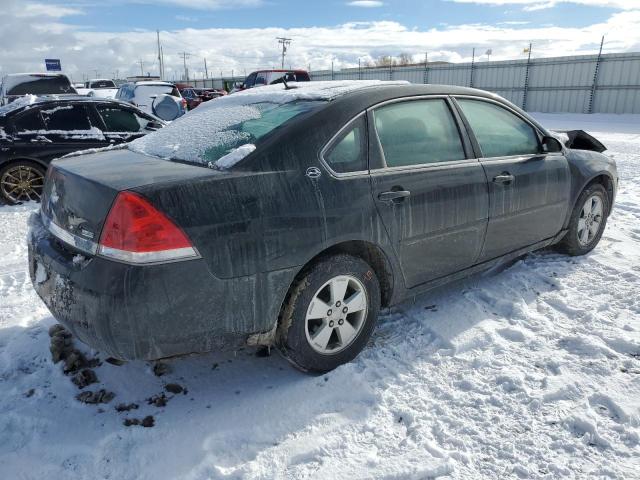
(121, 123)
(418, 132)
(499, 132)
(66, 118)
(347, 153)
(28, 122)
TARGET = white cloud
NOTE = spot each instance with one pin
(206, 4)
(531, 5)
(365, 3)
(82, 50)
(44, 10)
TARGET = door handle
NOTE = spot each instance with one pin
(394, 196)
(504, 177)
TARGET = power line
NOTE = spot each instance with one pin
(185, 55)
(285, 42)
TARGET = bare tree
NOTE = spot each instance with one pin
(405, 59)
(385, 61)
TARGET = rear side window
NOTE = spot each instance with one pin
(103, 84)
(28, 122)
(66, 118)
(418, 132)
(499, 132)
(121, 120)
(348, 152)
(42, 86)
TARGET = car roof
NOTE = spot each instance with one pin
(153, 82)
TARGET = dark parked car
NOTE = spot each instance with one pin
(301, 214)
(192, 97)
(270, 77)
(34, 131)
(16, 85)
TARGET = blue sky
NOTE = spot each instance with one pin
(422, 14)
(114, 36)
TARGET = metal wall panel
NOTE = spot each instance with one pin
(559, 84)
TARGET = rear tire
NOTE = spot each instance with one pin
(330, 314)
(588, 220)
(21, 181)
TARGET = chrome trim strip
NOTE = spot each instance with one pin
(148, 257)
(69, 238)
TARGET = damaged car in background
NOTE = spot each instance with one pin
(288, 217)
(35, 130)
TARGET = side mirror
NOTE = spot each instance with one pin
(153, 126)
(551, 145)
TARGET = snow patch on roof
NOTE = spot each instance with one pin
(299, 91)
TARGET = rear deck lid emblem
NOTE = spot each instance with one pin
(313, 172)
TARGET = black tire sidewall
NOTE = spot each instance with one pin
(13, 164)
(570, 243)
(295, 345)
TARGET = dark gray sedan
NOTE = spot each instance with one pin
(288, 216)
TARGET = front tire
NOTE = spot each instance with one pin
(588, 220)
(21, 181)
(330, 314)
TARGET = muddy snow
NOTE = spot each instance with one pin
(528, 371)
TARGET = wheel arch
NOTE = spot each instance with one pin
(37, 161)
(606, 180)
(370, 253)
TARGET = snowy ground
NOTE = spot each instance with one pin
(531, 372)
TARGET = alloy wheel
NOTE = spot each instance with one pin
(336, 314)
(22, 183)
(590, 220)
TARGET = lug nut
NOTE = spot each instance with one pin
(338, 304)
(340, 322)
(345, 310)
(329, 313)
(331, 323)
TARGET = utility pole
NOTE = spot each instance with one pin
(185, 55)
(359, 69)
(141, 62)
(473, 60)
(159, 56)
(526, 79)
(425, 77)
(206, 72)
(285, 42)
(96, 72)
(594, 85)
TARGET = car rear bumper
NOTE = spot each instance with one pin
(143, 312)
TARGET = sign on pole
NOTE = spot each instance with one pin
(53, 64)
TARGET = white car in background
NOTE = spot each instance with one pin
(99, 88)
(16, 85)
(162, 99)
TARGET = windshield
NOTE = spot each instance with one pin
(206, 135)
(148, 90)
(42, 86)
(103, 84)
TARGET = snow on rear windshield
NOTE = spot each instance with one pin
(219, 127)
(207, 134)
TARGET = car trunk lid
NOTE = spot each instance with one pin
(80, 190)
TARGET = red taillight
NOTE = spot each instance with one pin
(135, 231)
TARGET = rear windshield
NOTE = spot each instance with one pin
(42, 86)
(211, 131)
(148, 90)
(103, 84)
